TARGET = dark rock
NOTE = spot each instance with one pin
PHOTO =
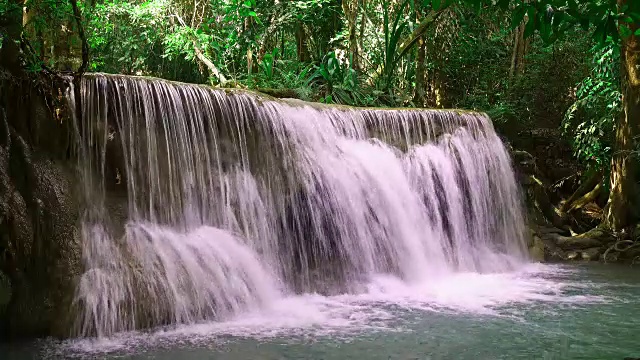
(43, 252)
(554, 255)
(611, 257)
(551, 251)
(561, 248)
(636, 232)
(543, 230)
(537, 249)
(575, 242)
(634, 253)
(629, 252)
(5, 293)
(573, 255)
(592, 254)
(548, 172)
(40, 252)
(553, 153)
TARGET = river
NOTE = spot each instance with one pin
(542, 312)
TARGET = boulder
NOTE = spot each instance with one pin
(575, 242)
(550, 250)
(5, 293)
(592, 254)
(545, 230)
(557, 247)
(537, 249)
(573, 255)
(611, 257)
(40, 250)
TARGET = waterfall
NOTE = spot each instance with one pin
(203, 203)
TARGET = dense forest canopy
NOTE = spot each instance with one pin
(568, 64)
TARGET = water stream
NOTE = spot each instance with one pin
(230, 201)
(227, 225)
(541, 312)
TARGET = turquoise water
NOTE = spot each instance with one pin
(543, 312)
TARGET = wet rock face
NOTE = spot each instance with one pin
(39, 238)
(555, 245)
(40, 244)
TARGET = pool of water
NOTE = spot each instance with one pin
(542, 312)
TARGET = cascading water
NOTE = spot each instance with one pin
(231, 200)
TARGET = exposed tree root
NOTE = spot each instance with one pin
(622, 246)
(587, 192)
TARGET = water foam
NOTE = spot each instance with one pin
(232, 202)
(389, 305)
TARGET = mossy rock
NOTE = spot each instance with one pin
(592, 254)
(537, 249)
(40, 250)
(45, 249)
(575, 242)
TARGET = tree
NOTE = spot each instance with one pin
(11, 22)
(359, 52)
(610, 19)
(624, 200)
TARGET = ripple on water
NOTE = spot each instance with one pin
(388, 305)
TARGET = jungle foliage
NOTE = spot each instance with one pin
(527, 63)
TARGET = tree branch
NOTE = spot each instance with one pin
(85, 45)
(77, 76)
(419, 31)
(202, 57)
(587, 187)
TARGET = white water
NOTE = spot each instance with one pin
(234, 203)
(389, 306)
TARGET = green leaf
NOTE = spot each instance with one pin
(544, 24)
(584, 23)
(530, 28)
(518, 16)
(503, 4)
(625, 31)
(600, 34)
(558, 19)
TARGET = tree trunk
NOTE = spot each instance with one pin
(419, 93)
(63, 53)
(283, 51)
(438, 89)
(418, 97)
(350, 9)
(519, 51)
(10, 51)
(30, 32)
(418, 32)
(268, 39)
(585, 188)
(83, 40)
(301, 42)
(203, 58)
(363, 24)
(623, 206)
